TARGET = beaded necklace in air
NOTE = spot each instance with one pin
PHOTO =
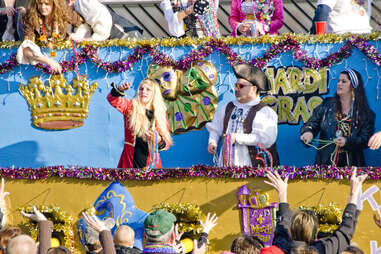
(208, 22)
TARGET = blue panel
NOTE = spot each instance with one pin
(99, 142)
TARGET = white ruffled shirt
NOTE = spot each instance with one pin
(348, 16)
(264, 131)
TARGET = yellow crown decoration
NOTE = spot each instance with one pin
(58, 105)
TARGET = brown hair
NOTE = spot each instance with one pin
(304, 226)
(6, 234)
(246, 245)
(59, 16)
(304, 249)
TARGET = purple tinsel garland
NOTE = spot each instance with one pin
(111, 174)
(158, 57)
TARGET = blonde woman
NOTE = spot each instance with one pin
(145, 122)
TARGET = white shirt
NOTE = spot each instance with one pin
(348, 16)
(97, 17)
(264, 131)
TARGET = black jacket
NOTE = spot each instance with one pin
(336, 243)
(323, 121)
(126, 250)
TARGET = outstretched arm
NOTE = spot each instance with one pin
(45, 229)
(115, 98)
(282, 237)
(3, 206)
(341, 238)
(105, 236)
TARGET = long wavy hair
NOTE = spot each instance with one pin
(139, 122)
(59, 16)
(360, 104)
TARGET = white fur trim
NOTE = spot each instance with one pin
(20, 52)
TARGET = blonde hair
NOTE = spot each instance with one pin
(139, 122)
(304, 226)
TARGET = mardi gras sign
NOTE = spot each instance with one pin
(257, 214)
(296, 92)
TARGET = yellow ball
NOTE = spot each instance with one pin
(188, 244)
(55, 242)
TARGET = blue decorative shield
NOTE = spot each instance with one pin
(115, 202)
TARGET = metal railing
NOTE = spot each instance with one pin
(147, 14)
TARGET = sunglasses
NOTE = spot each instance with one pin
(240, 86)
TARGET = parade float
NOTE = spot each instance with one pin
(61, 140)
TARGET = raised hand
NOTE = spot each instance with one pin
(94, 222)
(279, 184)
(35, 216)
(3, 194)
(124, 86)
(178, 234)
(356, 186)
(209, 223)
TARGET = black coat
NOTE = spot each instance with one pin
(126, 250)
(334, 244)
(323, 121)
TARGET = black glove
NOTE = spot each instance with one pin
(200, 7)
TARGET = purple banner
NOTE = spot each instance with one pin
(257, 214)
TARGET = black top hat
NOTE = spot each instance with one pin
(252, 74)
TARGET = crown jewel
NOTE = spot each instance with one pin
(58, 105)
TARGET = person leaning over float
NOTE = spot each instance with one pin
(345, 123)
(46, 21)
(245, 123)
(193, 18)
(101, 23)
(145, 122)
(254, 18)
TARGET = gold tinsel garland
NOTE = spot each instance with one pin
(188, 217)
(62, 222)
(187, 41)
(329, 216)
